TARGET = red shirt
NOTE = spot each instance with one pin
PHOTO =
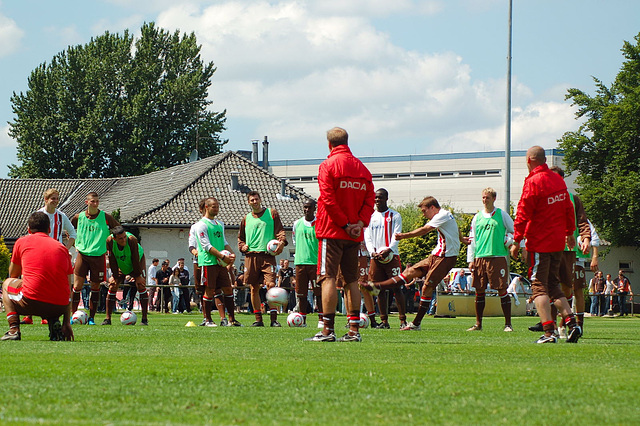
(346, 194)
(46, 265)
(545, 212)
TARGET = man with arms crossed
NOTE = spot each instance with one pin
(306, 259)
(93, 227)
(43, 290)
(126, 257)
(546, 219)
(256, 230)
(436, 266)
(380, 239)
(487, 256)
(211, 242)
(344, 209)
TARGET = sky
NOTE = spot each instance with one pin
(402, 76)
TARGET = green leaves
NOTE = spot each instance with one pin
(116, 107)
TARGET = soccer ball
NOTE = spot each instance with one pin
(272, 246)
(226, 253)
(295, 319)
(364, 320)
(277, 296)
(128, 318)
(387, 259)
(79, 317)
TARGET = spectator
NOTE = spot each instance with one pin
(624, 289)
(164, 293)
(184, 300)
(152, 281)
(174, 281)
(609, 291)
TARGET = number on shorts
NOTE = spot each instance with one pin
(395, 272)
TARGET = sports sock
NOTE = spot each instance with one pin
(258, 314)
(505, 304)
(206, 307)
(580, 319)
(14, 321)
(230, 306)
(302, 304)
(329, 320)
(383, 301)
(220, 305)
(93, 303)
(570, 321)
(401, 304)
(548, 327)
(111, 303)
(393, 282)
(423, 308)
(144, 303)
(354, 321)
(273, 314)
(75, 301)
(480, 304)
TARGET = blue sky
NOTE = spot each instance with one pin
(401, 76)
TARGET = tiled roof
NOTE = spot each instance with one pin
(167, 197)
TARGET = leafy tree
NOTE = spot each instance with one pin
(605, 150)
(5, 259)
(116, 107)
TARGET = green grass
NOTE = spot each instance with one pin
(170, 374)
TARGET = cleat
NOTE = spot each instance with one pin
(203, 323)
(547, 339)
(234, 323)
(257, 324)
(508, 328)
(350, 338)
(384, 326)
(537, 327)
(224, 322)
(275, 324)
(322, 338)
(375, 324)
(320, 324)
(210, 324)
(403, 324)
(55, 332)
(574, 334)
(411, 326)
(556, 334)
(476, 327)
(26, 320)
(91, 322)
(144, 322)
(11, 336)
(562, 333)
(106, 321)
(44, 322)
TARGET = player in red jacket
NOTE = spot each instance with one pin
(546, 219)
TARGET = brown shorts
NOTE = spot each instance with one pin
(545, 278)
(579, 277)
(493, 271)
(25, 306)
(363, 269)
(383, 271)
(435, 268)
(216, 277)
(566, 268)
(338, 254)
(305, 274)
(259, 267)
(94, 265)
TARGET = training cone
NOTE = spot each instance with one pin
(190, 324)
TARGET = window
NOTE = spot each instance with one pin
(625, 265)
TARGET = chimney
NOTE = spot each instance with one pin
(265, 154)
(235, 186)
(255, 151)
(283, 187)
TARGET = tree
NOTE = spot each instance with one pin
(605, 150)
(5, 259)
(116, 107)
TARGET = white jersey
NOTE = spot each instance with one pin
(382, 230)
(59, 222)
(448, 234)
(151, 274)
(595, 242)
(201, 233)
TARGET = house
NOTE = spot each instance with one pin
(160, 207)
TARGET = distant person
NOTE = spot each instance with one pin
(624, 289)
(44, 289)
(306, 260)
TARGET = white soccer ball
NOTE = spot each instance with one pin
(79, 317)
(295, 319)
(277, 296)
(128, 318)
(226, 253)
(272, 246)
(364, 320)
(386, 259)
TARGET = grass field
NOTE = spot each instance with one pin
(170, 374)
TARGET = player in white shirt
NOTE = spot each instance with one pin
(437, 265)
(381, 242)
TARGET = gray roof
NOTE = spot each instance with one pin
(166, 198)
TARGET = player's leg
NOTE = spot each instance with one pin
(498, 269)
(209, 281)
(560, 301)
(329, 256)
(224, 287)
(111, 300)
(143, 296)
(94, 300)
(435, 268)
(371, 308)
(383, 306)
(579, 283)
(350, 273)
(268, 270)
(302, 289)
(80, 271)
(480, 278)
(10, 296)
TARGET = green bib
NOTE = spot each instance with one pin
(306, 243)
(215, 232)
(489, 235)
(576, 234)
(259, 231)
(92, 235)
(123, 256)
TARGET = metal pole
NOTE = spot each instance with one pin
(507, 142)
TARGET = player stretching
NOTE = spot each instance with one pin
(437, 265)
(306, 259)
(345, 206)
(93, 230)
(487, 256)
(126, 257)
(256, 230)
(381, 242)
(59, 226)
(211, 242)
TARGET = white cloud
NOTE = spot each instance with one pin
(10, 36)
(5, 140)
(67, 36)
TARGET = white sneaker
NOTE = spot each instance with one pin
(508, 328)
(210, 324)
(411, 326)
(563, 333)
